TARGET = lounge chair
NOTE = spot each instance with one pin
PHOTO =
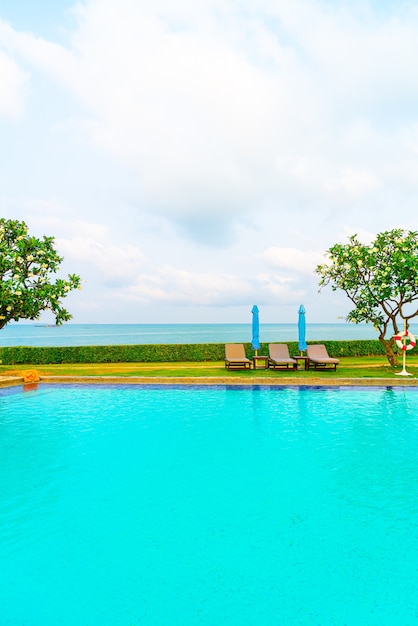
(320, 359)
(235, 357)
(279, 356)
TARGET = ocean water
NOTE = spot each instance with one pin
(113, 334)
(158, 506)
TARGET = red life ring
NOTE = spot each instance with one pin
(402, 344)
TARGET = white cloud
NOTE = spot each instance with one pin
(181, 287)
(353, 182)
(261, 129)
(217, 111)
(292, 259)
(13, 87)
(49, 57)
(131, 276)
(279, 289)
(63, 227)
(115, 265)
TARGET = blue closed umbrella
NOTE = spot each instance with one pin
(301, 328)
(255, 342)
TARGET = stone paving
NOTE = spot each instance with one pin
(7, 381)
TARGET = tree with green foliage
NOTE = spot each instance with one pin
(26, 285)
(380, 279)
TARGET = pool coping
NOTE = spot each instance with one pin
(10, 381)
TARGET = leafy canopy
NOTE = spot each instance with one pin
(381, 279)
(26, 265)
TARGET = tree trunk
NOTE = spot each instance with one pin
(390, 354)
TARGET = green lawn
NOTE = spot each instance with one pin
(349, 367)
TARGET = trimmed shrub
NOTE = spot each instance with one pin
(160, 353)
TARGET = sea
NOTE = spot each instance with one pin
(26, 334)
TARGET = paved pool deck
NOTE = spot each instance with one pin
(325, 381)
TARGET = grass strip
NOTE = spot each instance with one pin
(349, 367)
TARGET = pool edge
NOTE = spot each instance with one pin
(285, 381)
(225, 380)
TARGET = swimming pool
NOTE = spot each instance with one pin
(220, 506)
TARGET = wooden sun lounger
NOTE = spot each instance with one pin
(320, 359)
(279, 356)
(235, 357)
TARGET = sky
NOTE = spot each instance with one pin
(194, 158)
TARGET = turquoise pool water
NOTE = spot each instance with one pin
(208, 506)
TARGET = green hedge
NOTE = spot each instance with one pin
(154, 353)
